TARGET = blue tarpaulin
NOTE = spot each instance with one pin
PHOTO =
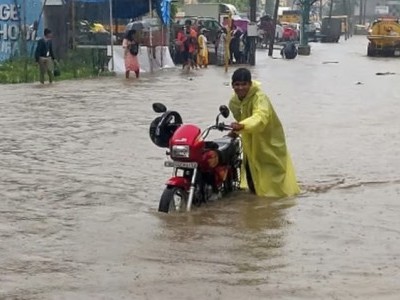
(164, 11)
(127, 9)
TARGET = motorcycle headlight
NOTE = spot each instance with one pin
(180, 151)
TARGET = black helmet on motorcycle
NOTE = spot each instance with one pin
(162, 128)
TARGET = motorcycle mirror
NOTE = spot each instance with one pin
(224, 110)
(159, 107)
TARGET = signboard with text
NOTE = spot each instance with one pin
(381, 10)
(14, 15)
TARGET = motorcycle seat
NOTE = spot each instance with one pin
(210, 145)
(223, 143)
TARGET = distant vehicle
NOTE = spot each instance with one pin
(384, 38)
(331, 30)
(314, 29)
(218, 11)
(291, 31)
(360, 29)
(333, 27)
(88, 33)
(211, 24)
(290, 16)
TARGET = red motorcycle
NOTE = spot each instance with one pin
(203, 170)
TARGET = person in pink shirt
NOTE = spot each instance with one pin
(187, 40)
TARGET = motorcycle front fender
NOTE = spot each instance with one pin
(180, 182)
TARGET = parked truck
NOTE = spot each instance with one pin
(384, 38)
(218, 11)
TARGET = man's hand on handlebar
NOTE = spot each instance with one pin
(237, 126)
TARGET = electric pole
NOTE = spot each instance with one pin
(252, 39)
(304, 48)
(272, 39)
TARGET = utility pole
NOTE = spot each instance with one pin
(228, 42)
(304, 47)
(252, 39)
(364, 11)
(320, 10)
(330, 10)
(73, 21)
(112, 35)
(272, 39)
(350, 11)
(253, 10)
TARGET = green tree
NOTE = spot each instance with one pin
(174, 10)
(241, 5)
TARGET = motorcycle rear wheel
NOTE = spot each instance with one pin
(173, 199)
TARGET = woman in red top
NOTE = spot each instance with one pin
(187, 39)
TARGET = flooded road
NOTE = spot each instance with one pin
(80, 182)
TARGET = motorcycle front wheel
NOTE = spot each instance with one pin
(173, 199)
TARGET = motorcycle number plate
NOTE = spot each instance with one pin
(180, 164)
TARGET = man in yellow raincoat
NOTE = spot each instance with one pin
(267, 168)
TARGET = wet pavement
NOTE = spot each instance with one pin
(80, 182)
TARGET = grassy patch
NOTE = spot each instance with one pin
(82, 63)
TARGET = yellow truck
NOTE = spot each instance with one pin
(290, 16)
(384, 38)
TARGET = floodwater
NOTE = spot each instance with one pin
(80, 182)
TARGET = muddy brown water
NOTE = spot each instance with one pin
(80, 183)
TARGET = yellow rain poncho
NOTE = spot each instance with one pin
(264, 145)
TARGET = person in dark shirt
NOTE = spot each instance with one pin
(289, 50)
(45, 57)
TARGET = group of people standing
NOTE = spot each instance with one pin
(237, 50)
(193, 47)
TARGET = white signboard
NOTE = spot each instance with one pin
(252, 30)
(382, 10)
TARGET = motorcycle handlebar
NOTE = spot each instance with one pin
(221, 127)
